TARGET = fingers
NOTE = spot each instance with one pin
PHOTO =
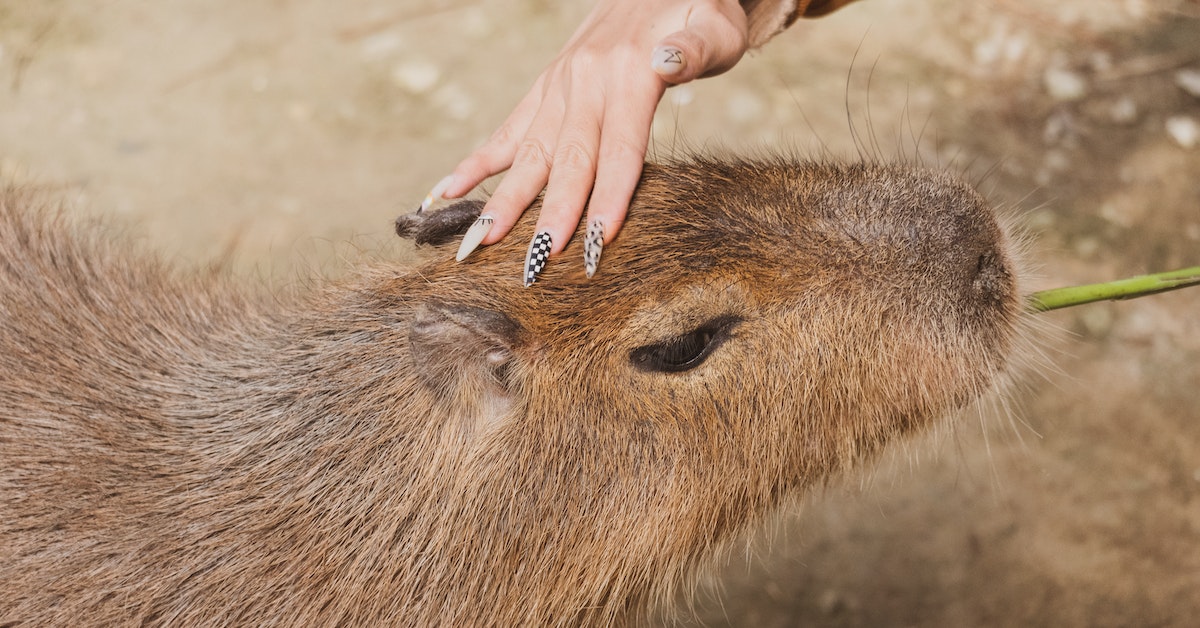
(573, 170)
(582, 131)
(528, 174)
(498, 153)
(622, 155)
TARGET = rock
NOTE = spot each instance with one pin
(1184, 130)
(1064, 85)
(1188, 79)
(1086, 246)
(381, 46)
(1123, 111)
(416, 76)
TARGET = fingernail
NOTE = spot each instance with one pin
(436, 193)
(535, 260)
(667, 60)
(593, 245)
(471, 239)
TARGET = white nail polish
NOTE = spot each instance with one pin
(474, 236)
(535, 259)
(436, 193)
(667, 60)
(593, 245)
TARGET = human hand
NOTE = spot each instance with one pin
(583, 129)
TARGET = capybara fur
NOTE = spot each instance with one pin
(439, 445)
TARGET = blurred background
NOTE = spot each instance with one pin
(282, 136)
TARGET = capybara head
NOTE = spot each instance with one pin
(442, 445)
(790, 314)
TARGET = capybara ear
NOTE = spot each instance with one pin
(441, 226)
(465, 354)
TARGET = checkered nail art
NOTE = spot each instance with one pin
(535, 260)
(474, 236)
(593, 245)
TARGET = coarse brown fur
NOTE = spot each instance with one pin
(441, 446)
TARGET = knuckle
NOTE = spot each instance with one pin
(585, 60)
(574, 156)
(533, 153)
(502, 136)
(624, 151)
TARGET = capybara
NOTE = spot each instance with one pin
(439, 445)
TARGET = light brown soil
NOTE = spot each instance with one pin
(267, 134)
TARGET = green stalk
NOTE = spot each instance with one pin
(1130, 288)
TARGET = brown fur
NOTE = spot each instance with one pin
(442, 446)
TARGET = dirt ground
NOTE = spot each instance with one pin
(282, 135)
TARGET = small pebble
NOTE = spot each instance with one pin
(1086, 247)
(1184, 130)
(1115, 212)
(1189, 80)
(416, 76)
(987, 51)
(1123, 111)
(380, 46)
(1064, 85)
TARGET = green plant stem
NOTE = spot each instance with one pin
(1130, 288)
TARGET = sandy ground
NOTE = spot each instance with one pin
(282, 135)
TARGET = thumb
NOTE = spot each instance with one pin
(709, 44)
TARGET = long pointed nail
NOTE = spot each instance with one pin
(474, 236)
(593, 246)
(436, 193)
(667, 60)
(535, 259)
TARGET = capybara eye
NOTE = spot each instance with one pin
(686, 352)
